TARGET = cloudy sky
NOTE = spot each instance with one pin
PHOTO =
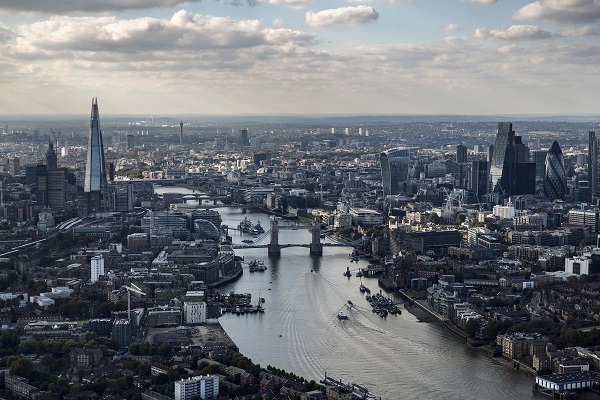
(300, 56)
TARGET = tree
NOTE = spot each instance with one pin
(165, 349)
(88, 337)
(21, 367)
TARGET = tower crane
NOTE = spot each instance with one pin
(129, 290)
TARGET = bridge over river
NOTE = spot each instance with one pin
(315, 246)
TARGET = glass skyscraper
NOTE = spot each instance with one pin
(96, 183)
(394, 170)
(555, 177)
(502, 168)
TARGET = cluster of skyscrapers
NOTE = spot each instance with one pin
(506, 172)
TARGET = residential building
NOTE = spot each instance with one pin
(205, 387)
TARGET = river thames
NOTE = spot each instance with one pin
(395, 358)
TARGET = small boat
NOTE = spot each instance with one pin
(359, 274)
(362, 288)
(350, 303)
(342, 315)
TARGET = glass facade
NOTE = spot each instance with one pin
(502, 168)
(95, 169)
(555, 178)
(394, 170)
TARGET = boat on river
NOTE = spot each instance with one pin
(257, 266)
(342, 315)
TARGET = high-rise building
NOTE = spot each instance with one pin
(461, 154)
(521, 151)
(14, 166)
(96, 184)
(51, 158)
(502, 168)
(96, 268)
(181, 133)
(204, 387)
(244, 140)
(478, 182)
(130, 141)
(593, 164)
(57, 189)
(539, 158)
(555, 178)
(395, 165)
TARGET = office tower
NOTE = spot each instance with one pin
(244, 141)
(539, 158)
(524, 178)
(394, 170)
(41, 194)
(461, 154)
(203, 387)
(14, 166)
(555, 178)
(521, 151)
(490, 152)
(96, 268)
(181, 133)
(95, 184)
(51, 158)
(56, 189)
(502, 168)
(478, 182)
(130, 141)
(124, 198)
(593, 165)
(30, 174)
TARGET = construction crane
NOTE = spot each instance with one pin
(129, 290)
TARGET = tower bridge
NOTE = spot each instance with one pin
(315, 246)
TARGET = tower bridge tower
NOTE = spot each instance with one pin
(274, 247)
(316, 248)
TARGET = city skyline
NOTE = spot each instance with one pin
(301, 56)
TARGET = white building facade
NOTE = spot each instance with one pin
(96, 268)
(207, 387)
(194, 312)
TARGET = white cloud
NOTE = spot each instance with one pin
(342, 16)
(60, 35)
(560, 11)
(203, 64)
(297, 4)
(514, 32)
(580, 31)
(70, 6)
(451, 28)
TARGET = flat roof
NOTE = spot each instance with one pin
(571, 377)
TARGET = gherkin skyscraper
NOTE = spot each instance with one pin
(96, 184)
(555, 177)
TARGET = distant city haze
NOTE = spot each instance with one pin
(232, 57)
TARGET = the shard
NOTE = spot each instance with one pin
(96, 183)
